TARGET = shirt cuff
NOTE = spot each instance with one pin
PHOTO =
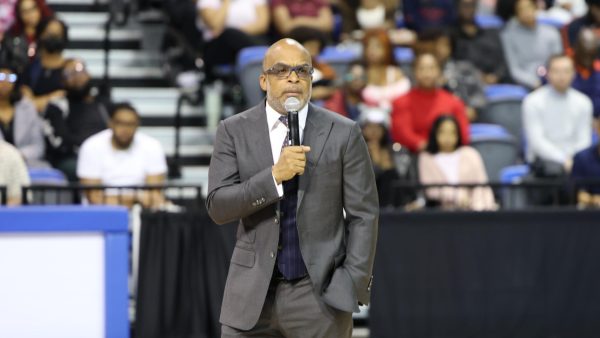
(279, 187)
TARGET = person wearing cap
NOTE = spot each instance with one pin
(70, 121)
(308, 214)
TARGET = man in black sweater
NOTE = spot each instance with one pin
(70, 121)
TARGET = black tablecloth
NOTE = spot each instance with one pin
(182, 269)
(504, 274)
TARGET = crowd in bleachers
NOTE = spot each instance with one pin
(447, 91)
(527, 66)
(50, 114)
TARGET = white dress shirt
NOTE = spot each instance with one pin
(278, 131)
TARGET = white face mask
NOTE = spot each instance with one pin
(371, 18)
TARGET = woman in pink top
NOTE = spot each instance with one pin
(445, 161)
(385, 81)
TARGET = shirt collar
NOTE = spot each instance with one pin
(273, 116)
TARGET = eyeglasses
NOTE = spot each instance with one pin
(283, 71)
(8, 77)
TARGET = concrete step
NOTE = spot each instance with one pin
(97, 34)
(199, 137)
(155, 102)
(121, 57)
(78, 20)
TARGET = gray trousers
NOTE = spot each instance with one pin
(292, 310)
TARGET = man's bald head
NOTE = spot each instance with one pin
(282, 48)
(286, 54)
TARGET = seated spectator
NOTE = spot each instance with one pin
(586, 166)
(347, 101)
(13, 174)
(385, 80)
(20, 124)
(290, 14)
(414, 113)
(591, 19)
(426, 14)
(71, 121)
(461, 78)
(472, 41)
(122, 156)
(445, 161)
(43, 77)
(376, 14)
(557, 119)
(229, 26)
(324, 76)
(528, 45)
(587, 66)
(378, 141)
(19, 44)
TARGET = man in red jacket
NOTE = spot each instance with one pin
(413, 113)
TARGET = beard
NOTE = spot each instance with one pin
(79, 94)
(122, 144)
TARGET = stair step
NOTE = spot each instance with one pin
(199, 136)
(97, 34)
(156, 102)
(75, 20)
(116, 57)
(79, 5)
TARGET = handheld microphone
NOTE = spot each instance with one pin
(292, 106)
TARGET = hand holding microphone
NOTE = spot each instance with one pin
(292, 160)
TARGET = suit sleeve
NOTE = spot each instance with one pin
(229, 198)
(362, 213)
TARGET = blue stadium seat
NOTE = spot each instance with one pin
(249, 68)
(550, 22)
(489, 21)
(504, 108)
(486, 129)
(339, 58)
(497, 152)
(513, 173)
(499, 92)
(403, 55)
(49, 176)
(514, 197)
(46, 176)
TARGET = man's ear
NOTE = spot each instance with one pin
(262, 80)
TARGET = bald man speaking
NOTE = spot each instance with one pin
(308, 214)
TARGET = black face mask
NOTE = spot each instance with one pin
(79, 94)
(53, 44)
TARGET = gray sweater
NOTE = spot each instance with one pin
(28, 134)
(527, 49)
(557, 125)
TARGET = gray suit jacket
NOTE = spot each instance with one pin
(338, 249)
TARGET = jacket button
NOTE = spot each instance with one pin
(276, 220)
(272, 254)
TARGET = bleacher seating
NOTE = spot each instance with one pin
(498, 150)
(504, 108)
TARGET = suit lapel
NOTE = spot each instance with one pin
(316, 132)
(258, 136)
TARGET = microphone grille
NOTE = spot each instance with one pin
(292, 104)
